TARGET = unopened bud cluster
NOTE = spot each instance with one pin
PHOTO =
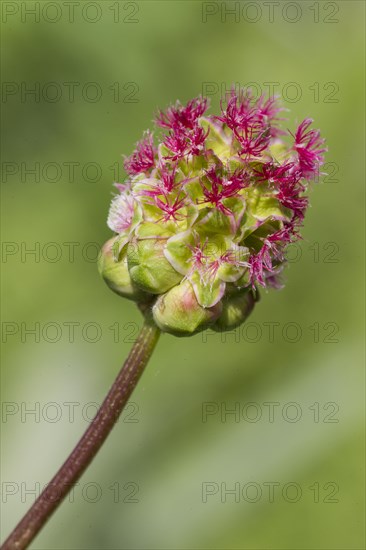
(205, 215)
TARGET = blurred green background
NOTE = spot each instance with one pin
(293, 452)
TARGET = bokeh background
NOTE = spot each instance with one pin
(293, 452)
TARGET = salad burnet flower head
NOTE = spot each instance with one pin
(207, 211)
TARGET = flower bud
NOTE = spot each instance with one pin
(149, 269)
(116, 273)
(178, 311)
(235, 310)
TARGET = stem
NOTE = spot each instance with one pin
(88, 446)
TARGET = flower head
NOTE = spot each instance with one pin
(206, 214)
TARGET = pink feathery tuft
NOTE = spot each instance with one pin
(143, 158)
(220, 188)
(182, 116)
(308, 145)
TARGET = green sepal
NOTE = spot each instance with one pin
(115, 273)
(150, 230)
(148, 267)
(212, 221)
(163, 151)
(233, 270)
(119, 243)
(178, 251)
(262, 204)
(151, 212)
(208, 293)
(242, 283)
(192, 164)
(193, 189)
(218, 140)
(254, 240)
